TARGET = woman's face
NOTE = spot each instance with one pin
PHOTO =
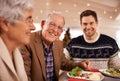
(20, 32)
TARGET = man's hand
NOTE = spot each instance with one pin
(86, 65)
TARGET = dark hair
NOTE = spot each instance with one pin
(88, 13)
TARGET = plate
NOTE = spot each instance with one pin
(103, 71)
(92, 76)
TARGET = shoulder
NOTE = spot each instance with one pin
(78, 38)
(59, 42)
(103, 36)
(35, 36)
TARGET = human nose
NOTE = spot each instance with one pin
(56, 28)
(32, 27)
(88, 26)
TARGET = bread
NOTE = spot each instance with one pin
(95, 76)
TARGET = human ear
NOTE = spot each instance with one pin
(4, 25)
(42, 23)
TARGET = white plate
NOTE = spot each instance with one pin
(103, 71)
(78, 77)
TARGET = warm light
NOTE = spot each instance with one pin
(116, 10)
(110, 17)
(41, 11)
(47, 4)
(36, 17)
(66, 10)
(59, 3)
(75, 5)
(53, 11)
(104, 12)
(88, 4)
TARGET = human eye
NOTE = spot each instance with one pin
(85, 24)
(29, 19)
(91, 23)
(59, 27)
(52, 24)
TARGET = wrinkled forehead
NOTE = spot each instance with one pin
(56, 18)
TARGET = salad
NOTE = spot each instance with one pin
(113, 71)
(77, 71)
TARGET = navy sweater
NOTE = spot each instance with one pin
(104, 47)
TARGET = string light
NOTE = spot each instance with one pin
(78, 12)
(75, 5)
(41, 11)
(116, 10)
(110, 17)
(36, 17)
(104, 12)
(53, 11)
(66, 11)
(59, 3)
(88, 4)
(47, 3)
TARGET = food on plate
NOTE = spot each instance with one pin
(76, 71)
(95, 76)
(87, 75)
(113, 72)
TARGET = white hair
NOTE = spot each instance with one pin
(12, 10)
(54, 13)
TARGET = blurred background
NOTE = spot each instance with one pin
(108, 15)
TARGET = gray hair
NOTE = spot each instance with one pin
(12, 10)
(52, 13)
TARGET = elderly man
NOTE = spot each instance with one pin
(44, 55)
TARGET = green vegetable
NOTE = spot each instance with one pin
(74, 71)
(114, 72)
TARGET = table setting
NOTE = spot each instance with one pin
(77, 74)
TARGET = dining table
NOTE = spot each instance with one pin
(64, 77)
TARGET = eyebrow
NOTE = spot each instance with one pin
(29, 17)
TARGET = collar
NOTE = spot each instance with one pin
(94, 40)
(45, 47)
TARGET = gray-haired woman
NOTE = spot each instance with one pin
(15, 28)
